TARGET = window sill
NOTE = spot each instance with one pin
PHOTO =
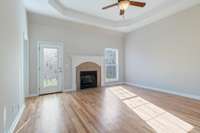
(111, 80)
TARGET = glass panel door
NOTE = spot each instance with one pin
(50, 68)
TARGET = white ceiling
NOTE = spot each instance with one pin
(90, 12)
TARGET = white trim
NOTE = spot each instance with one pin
(147, 19)
(17, 118)
(38, 67)
(77, 60)
(110, 80)
(38, 62)
(26, 67)
(112, 84)
(164, 90)
(117, 65)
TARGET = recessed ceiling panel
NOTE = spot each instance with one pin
(90, 11)
(94, 7)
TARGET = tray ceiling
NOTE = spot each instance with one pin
(90, 12)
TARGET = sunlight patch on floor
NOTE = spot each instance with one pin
(157, 118)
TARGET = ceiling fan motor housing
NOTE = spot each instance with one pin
(124, 4)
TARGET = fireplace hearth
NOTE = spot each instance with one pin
(88, 79)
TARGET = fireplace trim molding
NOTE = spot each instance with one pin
(77, 60)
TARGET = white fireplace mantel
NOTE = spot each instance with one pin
(77, 60)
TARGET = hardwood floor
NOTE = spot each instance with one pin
(118, 109)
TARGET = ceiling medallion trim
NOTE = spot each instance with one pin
(164, 10)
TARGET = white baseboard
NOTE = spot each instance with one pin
(17, 118)
(164, 90)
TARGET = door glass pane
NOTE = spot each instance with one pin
(50, 67)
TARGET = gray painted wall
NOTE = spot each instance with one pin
(12, 27)
(166, 54)
(78, 39)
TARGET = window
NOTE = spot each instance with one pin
(111, 64)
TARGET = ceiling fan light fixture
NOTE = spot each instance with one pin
(123, 5)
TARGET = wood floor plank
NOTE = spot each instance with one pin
(117, 109)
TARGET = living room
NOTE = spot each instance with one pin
(104, 66)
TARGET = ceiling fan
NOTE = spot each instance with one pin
(124, 4)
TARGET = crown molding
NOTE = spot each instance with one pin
(158, 15)
(168, 8)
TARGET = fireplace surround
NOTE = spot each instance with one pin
(88, 75)
(87, 63)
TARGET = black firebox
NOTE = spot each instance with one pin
(88, 79)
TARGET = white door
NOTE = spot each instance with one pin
(50, 67)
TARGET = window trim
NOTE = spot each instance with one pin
(117, 65)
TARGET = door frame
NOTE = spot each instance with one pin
(26, 67)
(38, 62)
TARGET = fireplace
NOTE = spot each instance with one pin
(88, 79)
(88, 75)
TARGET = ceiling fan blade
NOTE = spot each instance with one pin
(109, 6)
(122, 12)
(139, 4)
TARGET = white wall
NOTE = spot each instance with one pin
(78, 39)
(166, 54)
(12, 27)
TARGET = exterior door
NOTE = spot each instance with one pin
(50, 67)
